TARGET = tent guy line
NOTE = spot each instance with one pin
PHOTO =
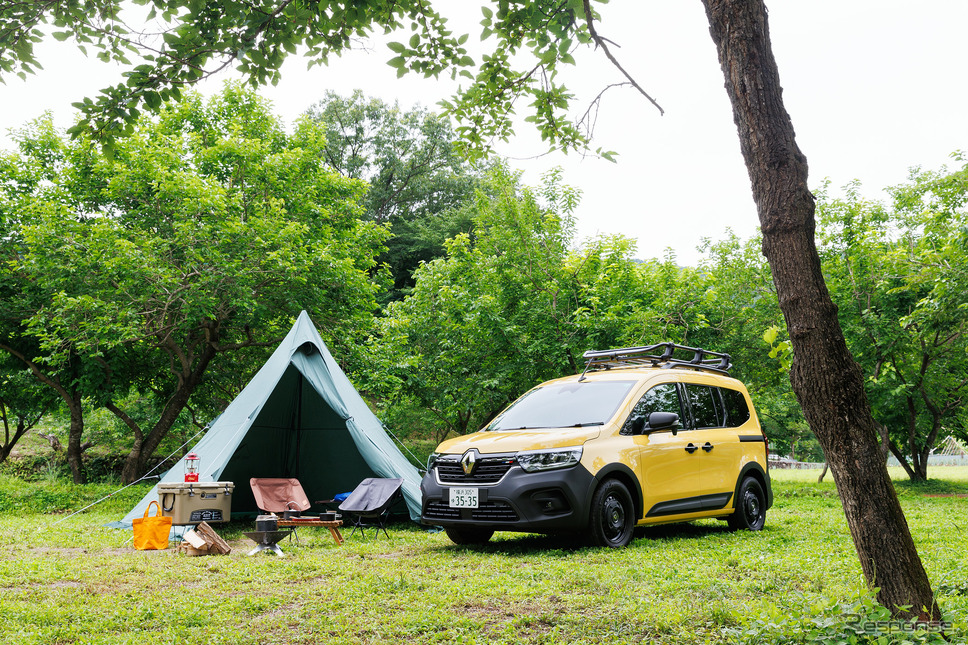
(144, 477)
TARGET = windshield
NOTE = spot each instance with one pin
(564, 405)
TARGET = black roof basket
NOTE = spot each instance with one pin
(659, 355)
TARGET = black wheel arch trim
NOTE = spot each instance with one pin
(627, 477)
(763, 476)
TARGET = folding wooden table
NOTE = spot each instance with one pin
(332, 525)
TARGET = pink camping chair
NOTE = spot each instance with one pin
(279, 495)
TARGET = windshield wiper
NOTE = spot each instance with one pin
(576, 425)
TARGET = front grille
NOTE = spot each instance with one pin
(496, 511)
(441, 511)
(488, 470)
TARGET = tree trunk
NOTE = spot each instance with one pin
(902, 459)
(132, 463)
(827, 381)
(8, 441)
(919, 466)
(74, 448)
(144, 445)
(73, 401)
(885, 435)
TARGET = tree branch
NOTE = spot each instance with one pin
(601, 42)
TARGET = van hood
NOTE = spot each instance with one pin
(515, 440)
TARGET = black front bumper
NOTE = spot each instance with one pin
(541, 502)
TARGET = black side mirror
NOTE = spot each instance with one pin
(664, 421)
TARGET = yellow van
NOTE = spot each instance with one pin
(643, 436)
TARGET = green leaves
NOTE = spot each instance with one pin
(418, 183)
(492, 318)
(781, 351)
(522, 43)
(203, 234)
(898, 275)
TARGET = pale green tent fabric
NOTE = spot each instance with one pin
(298, 417)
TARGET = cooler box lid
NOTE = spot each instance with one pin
(184, 487)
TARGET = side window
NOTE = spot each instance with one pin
(737, 412)
(661, 398)
(703, 406)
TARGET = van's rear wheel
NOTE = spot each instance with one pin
(469, 535)
(612, 515)
(750, 510)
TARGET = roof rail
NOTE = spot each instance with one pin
(658, 355)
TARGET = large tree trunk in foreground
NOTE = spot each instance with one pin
(826, 379)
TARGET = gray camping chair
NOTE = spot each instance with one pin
(369, 504)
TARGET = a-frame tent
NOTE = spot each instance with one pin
(298, 417)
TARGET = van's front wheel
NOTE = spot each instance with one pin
(612, 517)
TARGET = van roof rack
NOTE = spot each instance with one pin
(659, 355)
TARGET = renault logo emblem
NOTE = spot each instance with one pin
(468, 462)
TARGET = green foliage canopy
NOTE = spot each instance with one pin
(490, 318)
(899, 273)
(204, 234)
(171, 44)
(518, 303)
(418, 184)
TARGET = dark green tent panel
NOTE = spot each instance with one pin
(296, 435)
(298, 417)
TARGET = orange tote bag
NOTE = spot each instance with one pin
(151, 532)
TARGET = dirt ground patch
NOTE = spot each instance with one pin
(537, 614)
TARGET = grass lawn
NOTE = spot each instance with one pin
(796, 581)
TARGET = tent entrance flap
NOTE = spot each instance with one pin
(297, 435)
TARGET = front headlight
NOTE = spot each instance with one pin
(535, 460)
(431, 460)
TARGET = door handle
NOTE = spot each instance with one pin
(691, 448)
(707, 446)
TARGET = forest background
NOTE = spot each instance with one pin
(142, 288)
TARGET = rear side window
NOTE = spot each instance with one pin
(704, 406)
(737, 412)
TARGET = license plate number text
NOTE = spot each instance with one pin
(463, 498)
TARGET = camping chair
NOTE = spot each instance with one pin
(369, 504)
(284, 496)
(278, 495)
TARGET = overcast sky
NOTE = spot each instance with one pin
(873, 88)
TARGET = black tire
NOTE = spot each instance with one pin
(750, 513)
(612, 517)
(469, 535)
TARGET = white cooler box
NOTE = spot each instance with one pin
(194, 502)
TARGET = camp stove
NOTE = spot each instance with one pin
(267, 536)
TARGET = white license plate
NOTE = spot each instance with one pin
(463, 498)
